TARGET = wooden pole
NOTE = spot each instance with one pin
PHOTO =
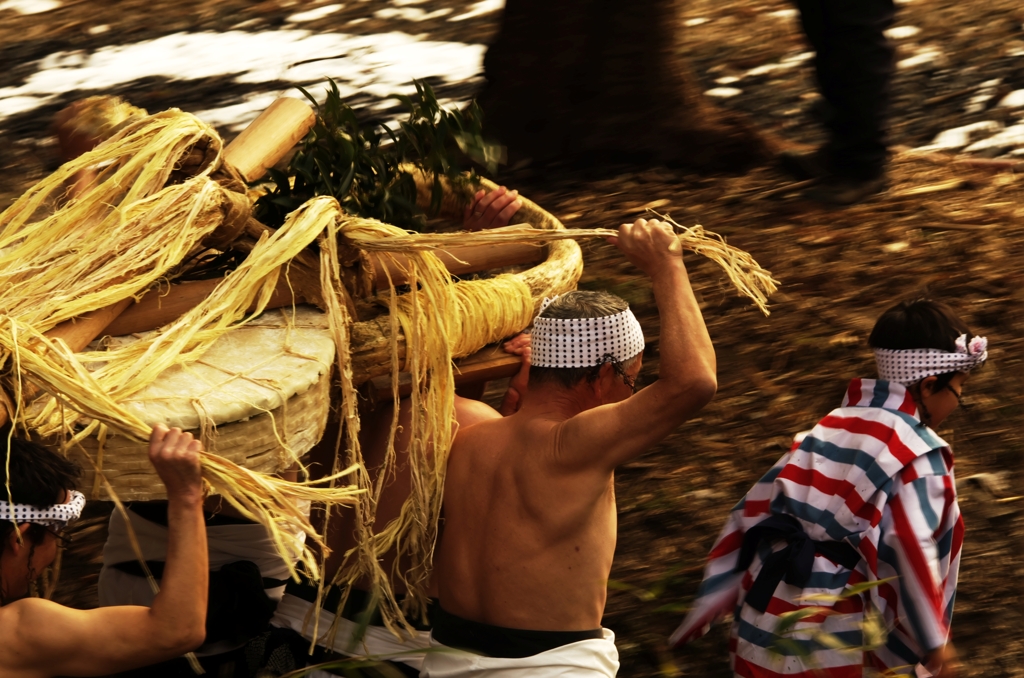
(157, 307)
(459, 260)
(491, 362)
(269, 137)
(261, 145)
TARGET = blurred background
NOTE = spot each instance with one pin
(610, 109)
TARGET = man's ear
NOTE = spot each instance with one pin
(18, 539)
(927, 385)
(604, 379)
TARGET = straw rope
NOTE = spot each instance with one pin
(124, 233)
(743, 271)
(130, 229)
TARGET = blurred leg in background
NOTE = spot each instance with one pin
(854, 64)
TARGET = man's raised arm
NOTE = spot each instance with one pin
(612, 434)
(56, 640)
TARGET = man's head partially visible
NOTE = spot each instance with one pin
(41, 502)
(589, 341)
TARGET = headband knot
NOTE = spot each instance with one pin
(57, 514)
(910, 366)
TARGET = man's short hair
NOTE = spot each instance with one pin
(920, 323)
(571, 306)
(38, 477)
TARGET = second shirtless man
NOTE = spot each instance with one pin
(529, 506)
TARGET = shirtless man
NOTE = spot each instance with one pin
(350, 638)
(529, 505)
(43, 638)
(288, 647)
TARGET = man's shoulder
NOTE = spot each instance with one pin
(25, 624)
(470, 412)
(22, 615)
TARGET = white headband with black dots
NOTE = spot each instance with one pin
(584, 342)
(58, 514)
(912, 365)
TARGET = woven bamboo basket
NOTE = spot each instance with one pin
(259, 397)
(558, 272)
(267, 428)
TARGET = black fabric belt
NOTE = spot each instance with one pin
(156, 512)
(133, 568)
(356, 606)
(498, 641)
(793, 563)
(237, 605)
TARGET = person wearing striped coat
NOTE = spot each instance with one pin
(856, 526)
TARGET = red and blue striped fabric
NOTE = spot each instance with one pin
(872, 475)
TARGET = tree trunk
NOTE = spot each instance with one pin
(603, 80)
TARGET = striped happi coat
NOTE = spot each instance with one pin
(872, 475)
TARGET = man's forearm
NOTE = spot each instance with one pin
(686, 352)
(180, 607)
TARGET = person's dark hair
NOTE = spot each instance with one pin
(38, 477)
(921, 323)
(570, 306)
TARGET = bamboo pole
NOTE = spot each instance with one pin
(460, 260)
(156, 308)
(269, 137)
(261, 145)
(491, 362)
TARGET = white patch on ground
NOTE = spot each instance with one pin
(1006, 141)
(727, 80)
(784, 14)
(99, 30)
(928, 56)
(690, 23)
(479, 9)
(961, 137)
(29, 6)
(785, 64)
(723, 92)
(378, 65)
(986, 92)
(902, 32)
(1014, 99)
(411, 13)
(238, 116)
(313, 14)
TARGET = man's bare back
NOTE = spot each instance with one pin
(530, 516)
(542, 536)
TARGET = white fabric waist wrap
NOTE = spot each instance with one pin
(226, 543)
(379, 643)
(583, 659)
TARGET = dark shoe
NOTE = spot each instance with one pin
(804, 165)
(844, 190)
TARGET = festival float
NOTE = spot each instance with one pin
(154, 278)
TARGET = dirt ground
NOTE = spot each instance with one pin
(942, 229)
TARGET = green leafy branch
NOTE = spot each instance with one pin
(360, 168)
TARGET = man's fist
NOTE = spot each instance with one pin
(650, 245)
(175, 456)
